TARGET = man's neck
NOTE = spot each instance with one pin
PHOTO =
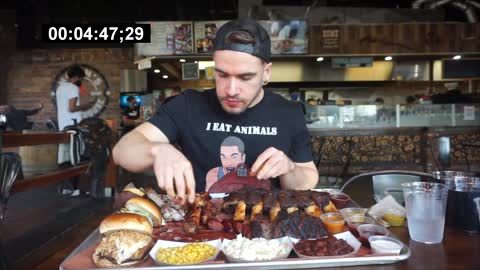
(258, 98)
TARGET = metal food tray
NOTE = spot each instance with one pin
(290, 263)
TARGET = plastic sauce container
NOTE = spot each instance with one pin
(354, 221)
(340, 200)
(385, 245)
(346, 212)
(367, 230)
(394, 219)
(334, 222)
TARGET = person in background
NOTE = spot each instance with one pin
(272, 128)
(12, 118)
(130, 114)
(69, 112)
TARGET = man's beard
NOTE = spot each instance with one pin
(243, 101)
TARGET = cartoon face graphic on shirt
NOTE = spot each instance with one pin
(232, 154)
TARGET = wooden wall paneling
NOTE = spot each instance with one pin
(468, 36)
(441, 37)
(409, 38)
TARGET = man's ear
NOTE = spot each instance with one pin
(267, 71)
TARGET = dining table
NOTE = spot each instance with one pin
(458, 250)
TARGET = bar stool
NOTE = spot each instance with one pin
(10, 164)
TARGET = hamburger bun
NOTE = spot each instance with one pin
(102, 262)
(145, 207)
(126, 221)
(134, 190)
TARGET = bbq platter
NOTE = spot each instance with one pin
(250, 227)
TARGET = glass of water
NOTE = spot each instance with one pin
(426, 205)
(477, 202)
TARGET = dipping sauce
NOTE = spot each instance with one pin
(334, 222)
(356, 220)
(385, 245)
(346, 212)
(367, 230)
(340, 200)
(394, 219)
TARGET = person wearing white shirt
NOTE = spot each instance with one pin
(69, 112)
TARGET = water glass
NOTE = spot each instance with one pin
(477, 202)
(426, 207)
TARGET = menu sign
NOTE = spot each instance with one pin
(288, 36)
(168, 38)
(205, 32)
(190, 71)
(330, 38)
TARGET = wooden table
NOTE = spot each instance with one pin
(458, 250)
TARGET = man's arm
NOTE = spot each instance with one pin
(73, 107)
(274, 163)
(34, 111)
(127, 122)
(147, 146)
(303, 176)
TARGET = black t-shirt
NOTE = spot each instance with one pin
(197, 122)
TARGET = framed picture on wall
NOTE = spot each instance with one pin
(168, 38)
(205, 32)
(288, 36)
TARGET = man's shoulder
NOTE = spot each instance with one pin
(198, 94)
(279, 100)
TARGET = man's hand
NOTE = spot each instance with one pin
(272, 163)
(174, 172)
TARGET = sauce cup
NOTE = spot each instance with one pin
(354, 221)
(367, 230)
(353, 211)
(385, 245)
(334, 222)
(340, 200)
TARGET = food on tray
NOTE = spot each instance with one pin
(232, 182)
(144, 207)
(367, 230)
(128, 192)
(274, 214)
(257, 249)
(170, 208)
(329, 246)
(189, 254)
(126, 240)
(201, 212)
(354, 221)
(334, 222)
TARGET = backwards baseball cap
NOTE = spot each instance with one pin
(261, 40)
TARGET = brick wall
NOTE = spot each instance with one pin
(31, 73)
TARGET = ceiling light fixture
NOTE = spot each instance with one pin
(182, 60)
(320, 59)
(165, 76)
(388, 58)
(156, 70)
(457, 57)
